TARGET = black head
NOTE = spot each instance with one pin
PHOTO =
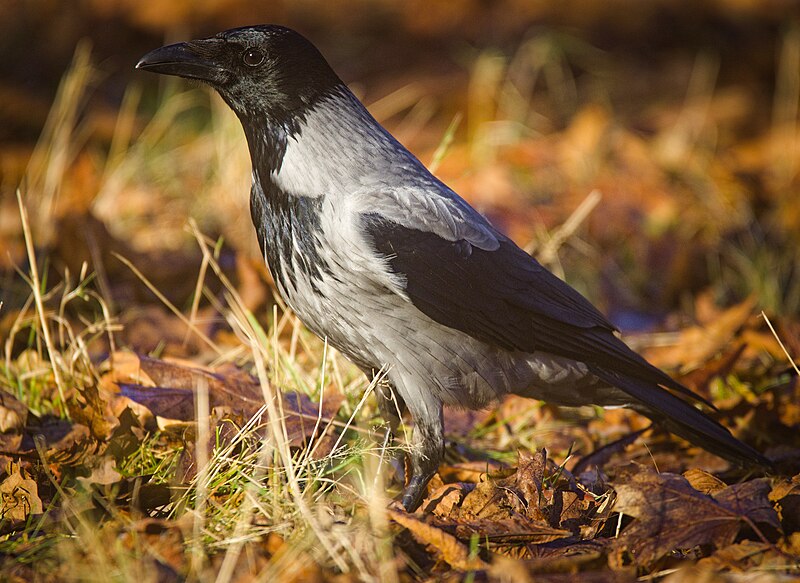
(264, 70)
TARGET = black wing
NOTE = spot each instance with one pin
(505, 298)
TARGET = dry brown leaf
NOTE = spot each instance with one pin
(446, 545)
(172, 397)
(301, 416)
(559, 558)
(231, 392)
(100, 424)
(163, 536)
(703, 481)
(61, 436)
(784, 487)
(232, 383)
(103, 474)
(469, 471)
(494, 521)
(750, 501)
(274, 543)
(757, 343)
(735, 557)
(13, 413)
(444, 499)
(9, 443)
(19, 497)
(93, 410)
(698, 344)
(483, 501)
(513, 530)
(529, 481)
(519, 493)
(537, 503)
(792, 544)
(719, 367)
(672, 515)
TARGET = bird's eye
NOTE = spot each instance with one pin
(253, 57)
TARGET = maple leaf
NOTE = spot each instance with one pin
(671, 515)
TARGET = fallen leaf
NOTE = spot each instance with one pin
(19, 497)
(698, 344)
(469, 471)
(734, 557)
(234, 397)
(793, 544)
(750, 501)
(529, 481)
(56, 434)
(559, 556)
(10, 442)
(228, 387)
(514, 530)
(671, 515)
(165, 402)
(537, 503)
(446, 545)
(13, 413)
(784, 487)
(444, 499)
(703, 481)
(104, 473)
(93, 411)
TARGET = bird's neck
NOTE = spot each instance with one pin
(331, 148)
(267, 143)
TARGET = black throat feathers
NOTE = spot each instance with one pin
(288, 225)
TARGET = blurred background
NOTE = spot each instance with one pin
(646, 151)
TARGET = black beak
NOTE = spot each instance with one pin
(192, 60)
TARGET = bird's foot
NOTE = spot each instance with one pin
(415, 491)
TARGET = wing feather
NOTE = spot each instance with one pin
(505, 298)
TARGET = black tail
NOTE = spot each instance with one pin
(683, 419)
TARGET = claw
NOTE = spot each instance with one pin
(415, 492)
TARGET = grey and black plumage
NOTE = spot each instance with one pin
(395, 270)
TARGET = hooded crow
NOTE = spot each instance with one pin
(394, 269)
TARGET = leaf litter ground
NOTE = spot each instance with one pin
(177, 424)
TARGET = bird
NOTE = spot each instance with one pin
(390, 266)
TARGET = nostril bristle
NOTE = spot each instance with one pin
(203, 49)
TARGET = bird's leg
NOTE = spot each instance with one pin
(391, 405)
(425, 457)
